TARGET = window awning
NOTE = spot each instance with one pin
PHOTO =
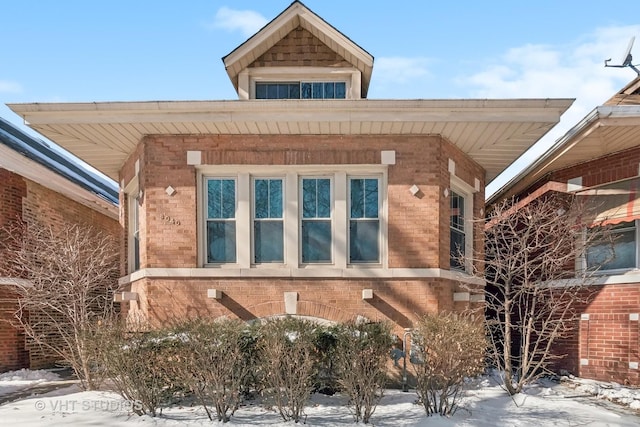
(612, 203)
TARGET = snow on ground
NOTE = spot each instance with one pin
(485, 404)
(13, 381)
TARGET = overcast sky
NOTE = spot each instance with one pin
(124, 50)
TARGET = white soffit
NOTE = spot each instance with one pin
(493, 132)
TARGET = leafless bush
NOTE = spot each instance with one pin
(533, 285)
(70, 274)
(214, 364)
(141, 364)
(287, 363)
(362, 353)
(449, 348)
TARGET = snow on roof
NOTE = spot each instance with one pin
(61, 163)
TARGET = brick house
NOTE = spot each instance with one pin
(38, 184)
(600, 158)
(302, 197)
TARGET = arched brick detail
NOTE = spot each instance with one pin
(305, 308)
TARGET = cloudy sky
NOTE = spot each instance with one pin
(123, 50)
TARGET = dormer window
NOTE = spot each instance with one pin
(301, 90)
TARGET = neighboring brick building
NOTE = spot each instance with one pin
(38, 184)
(328, 208)
(600, 158)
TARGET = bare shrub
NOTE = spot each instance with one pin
(213, 363)
(449, 348)
(141, 365)
(70, 274)
(287, 363)
(361, 356)
(533, 287)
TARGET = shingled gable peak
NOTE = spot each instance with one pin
(299, 55)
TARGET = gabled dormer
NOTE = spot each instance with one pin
(299, 55)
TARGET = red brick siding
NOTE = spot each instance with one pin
(13, 353)
(418, 227)
(609, 168)
(608, 339)
(25, 200)
(415, 239)
(398, 301)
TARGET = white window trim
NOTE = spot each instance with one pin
(291, 213)
(331, 218)
(132, 194)
(248, 77)
(253, 217)
(466, 191)
(348, 214)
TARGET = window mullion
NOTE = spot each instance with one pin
(341, 222)
(243, 221)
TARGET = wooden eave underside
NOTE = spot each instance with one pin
(492, 132)
(610, 130)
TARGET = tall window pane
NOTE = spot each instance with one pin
(221, 225)
(458, 237)
(364, 222)
(316, 220)
(134, 206)
(268, 230)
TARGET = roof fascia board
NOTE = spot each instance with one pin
(300, 15)
(297, 110)
(604, 115)
(27, 168)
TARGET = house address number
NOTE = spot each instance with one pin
(169, 220)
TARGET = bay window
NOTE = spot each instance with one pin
(292, 217)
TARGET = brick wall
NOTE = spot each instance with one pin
(614, 167)
(25, 200)
(602, 345)
(418, 227)
(398, 301)
(416, 240)
(606, 340)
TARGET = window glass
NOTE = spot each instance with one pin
(268, 223)
(620, 254)
(364, 225)
(329, 91)
(458, 238)
(316, 222)
(221, 227)
(134, 204)
(301, 90)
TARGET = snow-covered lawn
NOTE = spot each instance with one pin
(485, 404)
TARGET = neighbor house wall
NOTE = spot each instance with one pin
(22, 200)
(604, 344)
